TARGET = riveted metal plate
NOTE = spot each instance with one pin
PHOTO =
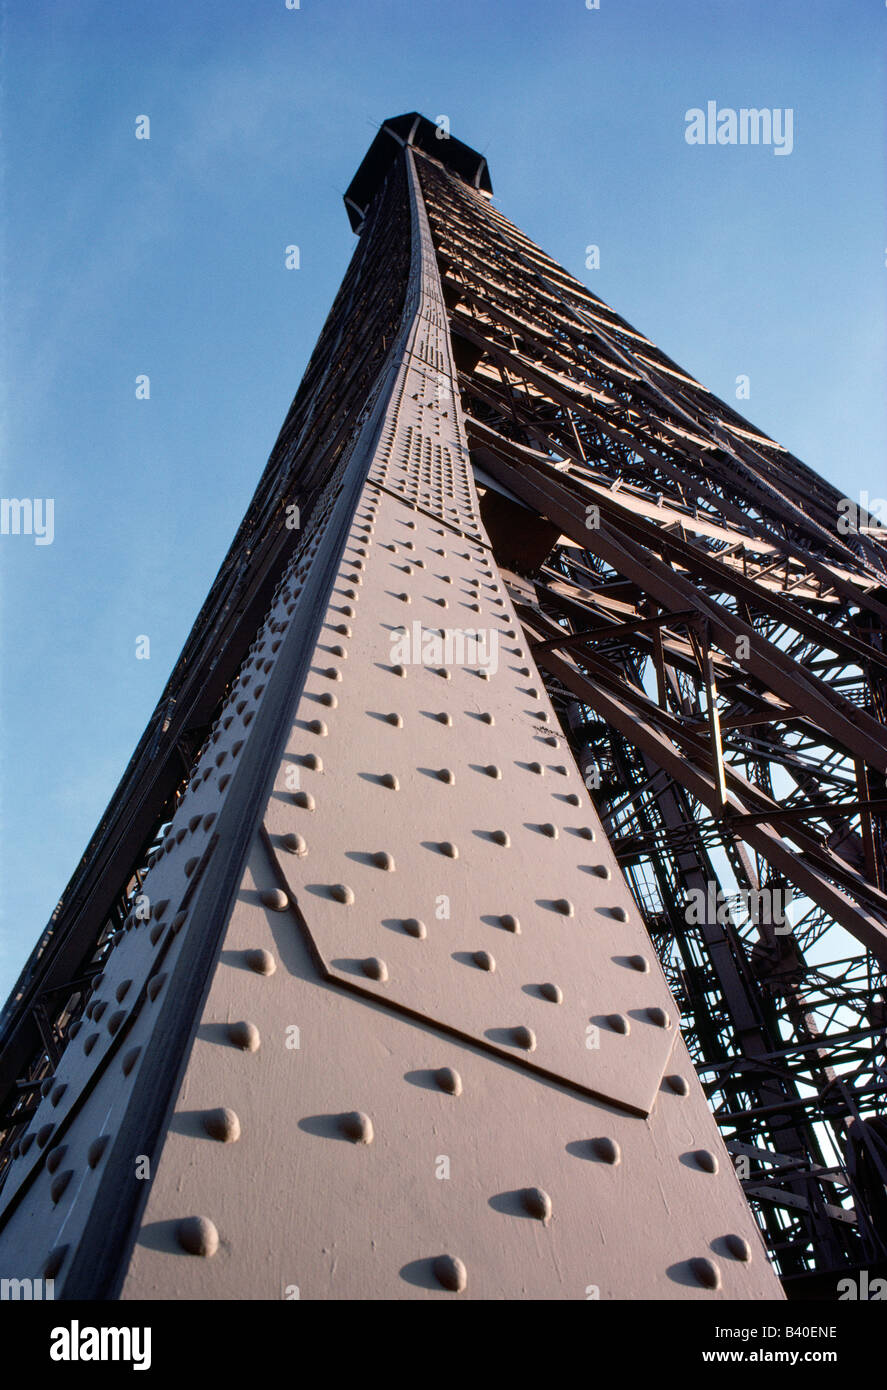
(418, 787)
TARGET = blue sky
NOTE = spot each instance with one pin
(166, 257)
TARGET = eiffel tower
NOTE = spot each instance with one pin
(495, 904)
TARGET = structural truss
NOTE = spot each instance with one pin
(690, 677)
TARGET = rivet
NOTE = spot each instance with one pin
(450, 1273)
(619, 914)
(586, 832)
(399, 670)
(484, 961)
(510, 923)
(198, 1236)
(101, 1004)
(191, 864)
(328, 699)
(549, 830)
(343, 629)
(155, 985)
(96, 1149)
(383, 860)
(602, 871)
(130, 1060)
(338, 651)
(156, 932)
(375, 968)
(619, 1023)
(194, 822)
(313, 762)
(607, 1150)
(739, 1247)
(305, 800)
(449, 850)
(501, 837)
(639, 963)
(59, 1183)
(275, 899)
(538, 769)
(261, 961)
(357, 1127)
(244, 1035)
(413, 927)
(487, 718)
(449, 1080)
(404, 598)
(444, 718)
(157, 910)
(331, 673)
(483, 674)
(564, 906)
(342, 893)
(209, 820)
(178, 922)
(222, 1124)
(553, 993)
(58, 1093)
(443, 673)
(659, 1017)
(295, 844)
(706, 1160)
(395, 719)
(524, 1037)
(90, 1043)
(537, 1203)
(572, 799)
(116, 1020)
(707, 1273)
(54, 1157)
(445, 775)
(317, 726)
(679, 1085)
(389, 780)
(493, 771)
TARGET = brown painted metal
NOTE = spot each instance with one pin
(390, 974)
(364, 828)
(572, 412)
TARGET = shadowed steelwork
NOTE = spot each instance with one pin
(418, 873)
